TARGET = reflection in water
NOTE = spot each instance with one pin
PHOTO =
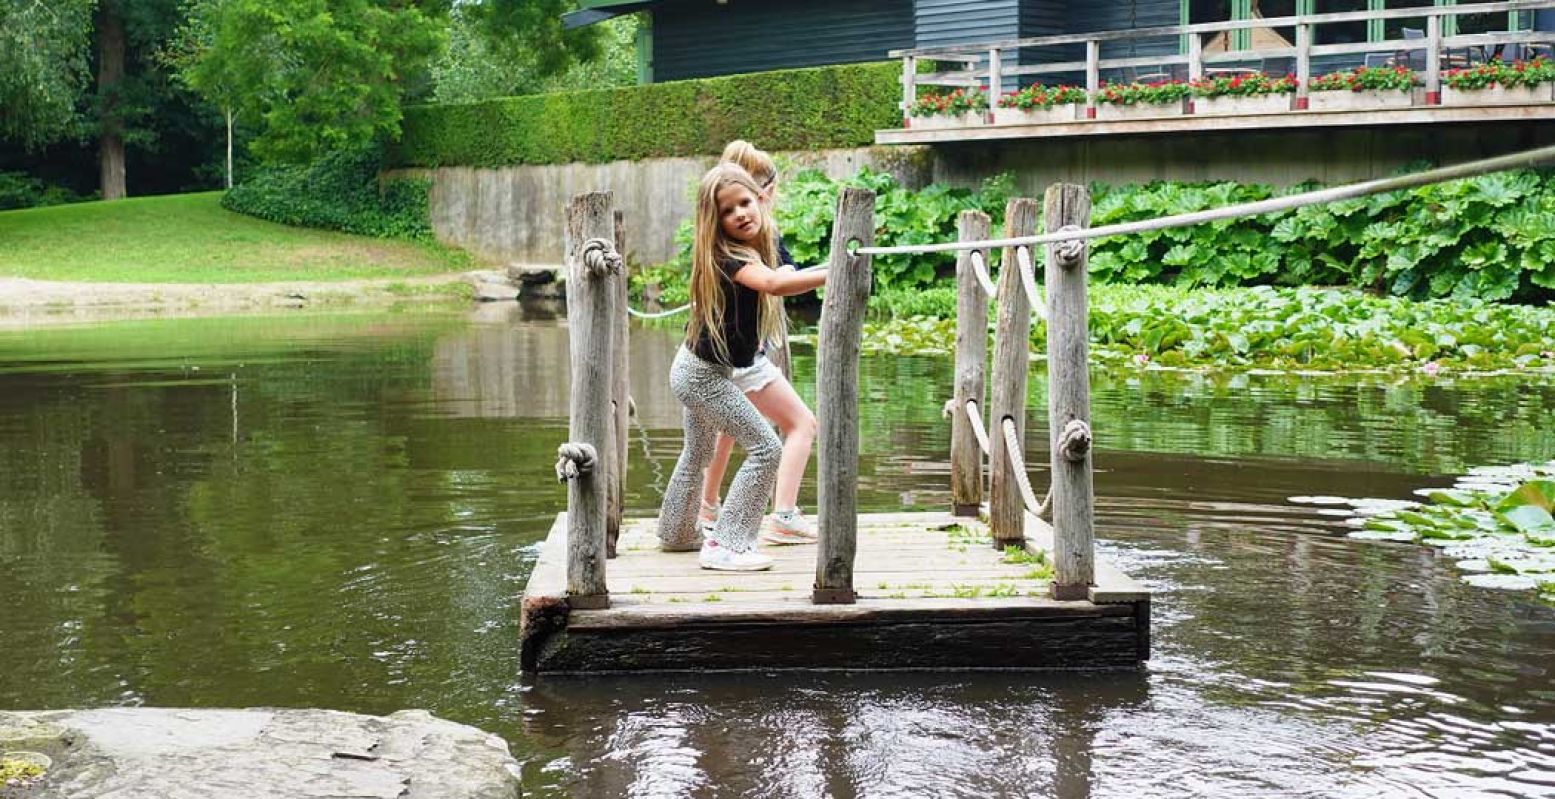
(341, 510)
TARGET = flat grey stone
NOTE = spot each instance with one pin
(158, 753)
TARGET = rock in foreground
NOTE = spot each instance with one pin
(154, 753)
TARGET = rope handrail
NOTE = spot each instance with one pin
(1466, 170)
(980, 271)
(1018, 466)
(659, 314)
(1028, 281)
(978, 431)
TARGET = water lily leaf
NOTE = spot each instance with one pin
(1383, 535)
(1513, 582)
(1528, 518)
(1538, 493)
(1418, 519)
(1457, 499)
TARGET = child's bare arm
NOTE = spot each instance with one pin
(780, 282)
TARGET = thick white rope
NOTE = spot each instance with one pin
(1467, 170)
(1028, 280)
(600, 257)
(1018, 466)
(980, 271)
(978, 431)
(660, 314)
(573, 460)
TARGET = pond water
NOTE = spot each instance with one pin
(341, 510)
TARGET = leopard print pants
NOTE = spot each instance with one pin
(713, 403)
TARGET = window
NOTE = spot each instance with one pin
(1339, 32)
(1404, 27)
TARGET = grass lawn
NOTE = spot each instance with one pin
(190, 238)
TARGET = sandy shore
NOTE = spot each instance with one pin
(26, 302)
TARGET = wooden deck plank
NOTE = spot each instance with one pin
(932, 592)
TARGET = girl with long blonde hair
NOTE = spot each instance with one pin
(735, 305)
(770, 391)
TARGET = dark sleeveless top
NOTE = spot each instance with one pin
(741, 318)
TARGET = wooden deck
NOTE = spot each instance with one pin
(1191, 123)
(932, 593)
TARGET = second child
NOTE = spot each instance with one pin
(735, 305)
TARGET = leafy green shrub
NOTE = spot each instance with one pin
(793, 109)
(21, 190)
(340, 191)
(1264, 327)
(1490, 237)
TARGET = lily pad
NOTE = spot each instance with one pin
(1509, 582)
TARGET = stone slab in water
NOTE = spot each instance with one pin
(156, 753)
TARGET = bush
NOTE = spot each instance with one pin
(1490, 237)
(340, 191)
(21, 190)
(794, 109)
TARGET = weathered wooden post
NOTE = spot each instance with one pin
(619, 396)
(1069, 396)
(966, 457)
(848, 283)
(1092, 76)
(586, 461)
(1011, 357)
(1433, 60)
(1303, 64)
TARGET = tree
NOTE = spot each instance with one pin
(43, 67)
(318, 75)
(130, 85)
(315, 75)
(472, 70)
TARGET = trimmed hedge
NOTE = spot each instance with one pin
(340, 191)
(792, 109)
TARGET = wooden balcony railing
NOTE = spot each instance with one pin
(984, 63)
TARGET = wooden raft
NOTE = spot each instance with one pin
(932, 592)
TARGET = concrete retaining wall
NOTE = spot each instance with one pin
(513, 215)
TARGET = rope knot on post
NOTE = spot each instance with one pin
(600, 257)
(1070, 250)
(949, 408)
(573, 460)
(1075, 440)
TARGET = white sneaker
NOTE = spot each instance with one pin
(725, 559)
(788, 527)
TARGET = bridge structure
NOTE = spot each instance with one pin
(1000, 579)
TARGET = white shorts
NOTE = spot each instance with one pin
(756, 376)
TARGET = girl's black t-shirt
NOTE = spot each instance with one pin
(741, 323)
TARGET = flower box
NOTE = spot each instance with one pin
(1245, 104)
(1116, 112)
(1500, 95)
(1038, 116)
(1345, 100)
(943, 121)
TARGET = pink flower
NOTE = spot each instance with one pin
(1431, 368)
(1140, 359)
